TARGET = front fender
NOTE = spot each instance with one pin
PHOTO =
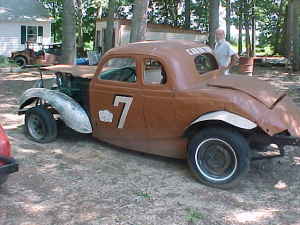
(73, 115)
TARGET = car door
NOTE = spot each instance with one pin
(160, 108)
(116, 103)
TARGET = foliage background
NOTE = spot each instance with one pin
(270, 17)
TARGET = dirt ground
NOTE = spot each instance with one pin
(79, 180)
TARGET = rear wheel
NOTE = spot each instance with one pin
(20, 61)
(40, 125)
(219, 157)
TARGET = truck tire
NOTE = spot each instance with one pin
(3, 179)
(20, 61)
(40, 125)
(219, 157)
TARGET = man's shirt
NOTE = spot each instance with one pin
(223, 52)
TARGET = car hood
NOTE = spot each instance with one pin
(258, 89)
(16, 52)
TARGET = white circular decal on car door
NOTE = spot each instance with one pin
(106, 116)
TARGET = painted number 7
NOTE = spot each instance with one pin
(127, 101)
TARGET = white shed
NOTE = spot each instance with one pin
(22, 21)
(122, 29)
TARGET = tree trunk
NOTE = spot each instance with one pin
(253, 50)
(53, 24)
(278, 26)
(248, 41)
(240, 41)
(187, 12)
(228, 15)
(80, 41)
(166, 12)
(291, 31)
(109, 31)
(214, 6)
(69, 33)
(247, 27)
(98, 16)
(174, 11)
(139, 21)
(296, 63)
(285, 39)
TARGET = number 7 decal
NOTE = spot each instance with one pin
(127, 101)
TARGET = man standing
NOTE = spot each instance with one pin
(224, 53)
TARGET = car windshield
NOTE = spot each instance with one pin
(205, 62)
(119, 69)
(125, 74)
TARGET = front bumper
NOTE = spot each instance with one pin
(10, 166)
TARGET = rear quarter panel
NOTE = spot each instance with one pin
(194, 103)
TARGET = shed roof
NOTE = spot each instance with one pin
(23, 10)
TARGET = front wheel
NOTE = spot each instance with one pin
(219, 157)
(40, 125)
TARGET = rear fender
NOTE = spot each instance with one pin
(73, 115)
(227, 117)
(221, 117)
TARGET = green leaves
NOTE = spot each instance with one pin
(193, 215)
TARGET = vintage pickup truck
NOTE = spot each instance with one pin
(167, 98)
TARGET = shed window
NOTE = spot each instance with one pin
(23, 34)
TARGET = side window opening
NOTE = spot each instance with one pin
(119, 69)
(205, 62)
(154, 72)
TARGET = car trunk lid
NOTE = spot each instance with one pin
(258, 89)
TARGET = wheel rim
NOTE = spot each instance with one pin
(36, 127)
(217, 161)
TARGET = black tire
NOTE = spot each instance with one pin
(40, 125)
(20, 61)
(3, 179)
(219, 157)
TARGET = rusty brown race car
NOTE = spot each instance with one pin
(167, 98)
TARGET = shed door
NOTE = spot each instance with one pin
(113, 38)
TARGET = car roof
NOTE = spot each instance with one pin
(178, 54)
(158, 48)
